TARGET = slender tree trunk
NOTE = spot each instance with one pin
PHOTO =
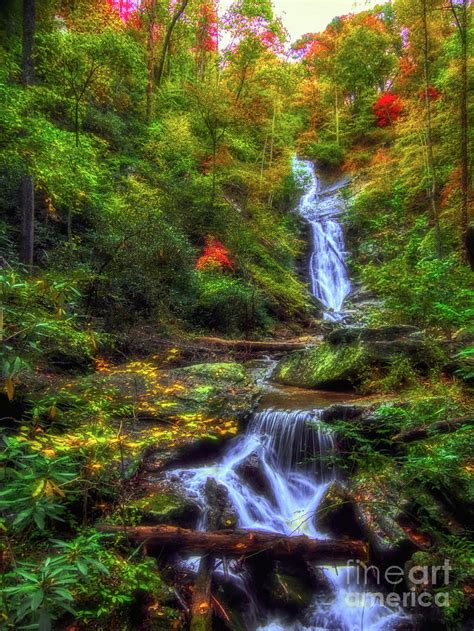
(214, 165)
(433, 192)
(29, 27)
(151, 61)
(76, 121)
(167, 41)
(27, 189)
(460, 12)
(27, 205)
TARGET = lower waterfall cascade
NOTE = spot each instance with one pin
(295, 451)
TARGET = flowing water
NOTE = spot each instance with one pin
(294, 452)
(277, 472)
(328, 270)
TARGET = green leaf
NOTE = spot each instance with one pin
(39, 520)
(82, 566)
(36, 599)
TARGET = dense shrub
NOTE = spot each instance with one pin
(228, 304)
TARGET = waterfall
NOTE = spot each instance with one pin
(291, 453)
(328, 270)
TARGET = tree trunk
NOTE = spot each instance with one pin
(151, 61)
(462, 25)
(27, 189)
(433, 190)
(29, 27)
(27, 208)
(166, 42)
(252, 345)
(201, 607)
(243, 543)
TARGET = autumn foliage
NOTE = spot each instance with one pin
(208, 33)
(387, 109)
(214, 256)
(432, 93)
(125, 8)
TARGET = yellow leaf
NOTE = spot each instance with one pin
(38, 489)
(53, 411)
(10, 388)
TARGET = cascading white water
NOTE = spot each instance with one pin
(328, 271)
(293, 452)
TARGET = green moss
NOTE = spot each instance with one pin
(322, 366)
(219, 371)
(162, 508)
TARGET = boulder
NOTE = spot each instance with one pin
(221, 515)
(288, 587)
(250, 470)
(323, 367)
(335, 514)
(350, 353)
(171, 415)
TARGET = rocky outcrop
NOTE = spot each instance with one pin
(349, 354)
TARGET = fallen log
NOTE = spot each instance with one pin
(426, 431)
(242, 543)
(254, 345)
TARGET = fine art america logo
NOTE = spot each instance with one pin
(425, 585)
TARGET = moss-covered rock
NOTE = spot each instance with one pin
(348, 356)
(323, 366)
(163, 507)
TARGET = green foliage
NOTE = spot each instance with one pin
(84, 578)
(396, 259)
(40, 321)
(37, 594)
(34, 485)
(327, 154)
(228, 304)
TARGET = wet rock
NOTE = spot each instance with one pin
(323, 367)
(250, 470)
(349, 353)
(347, 335)
(335, 514)
(221, 515)
(290, 587)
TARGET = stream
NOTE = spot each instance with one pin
(291, 452)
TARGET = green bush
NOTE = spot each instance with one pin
(329, 155)
(228, 305)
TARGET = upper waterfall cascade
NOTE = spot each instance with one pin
(328, 270)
